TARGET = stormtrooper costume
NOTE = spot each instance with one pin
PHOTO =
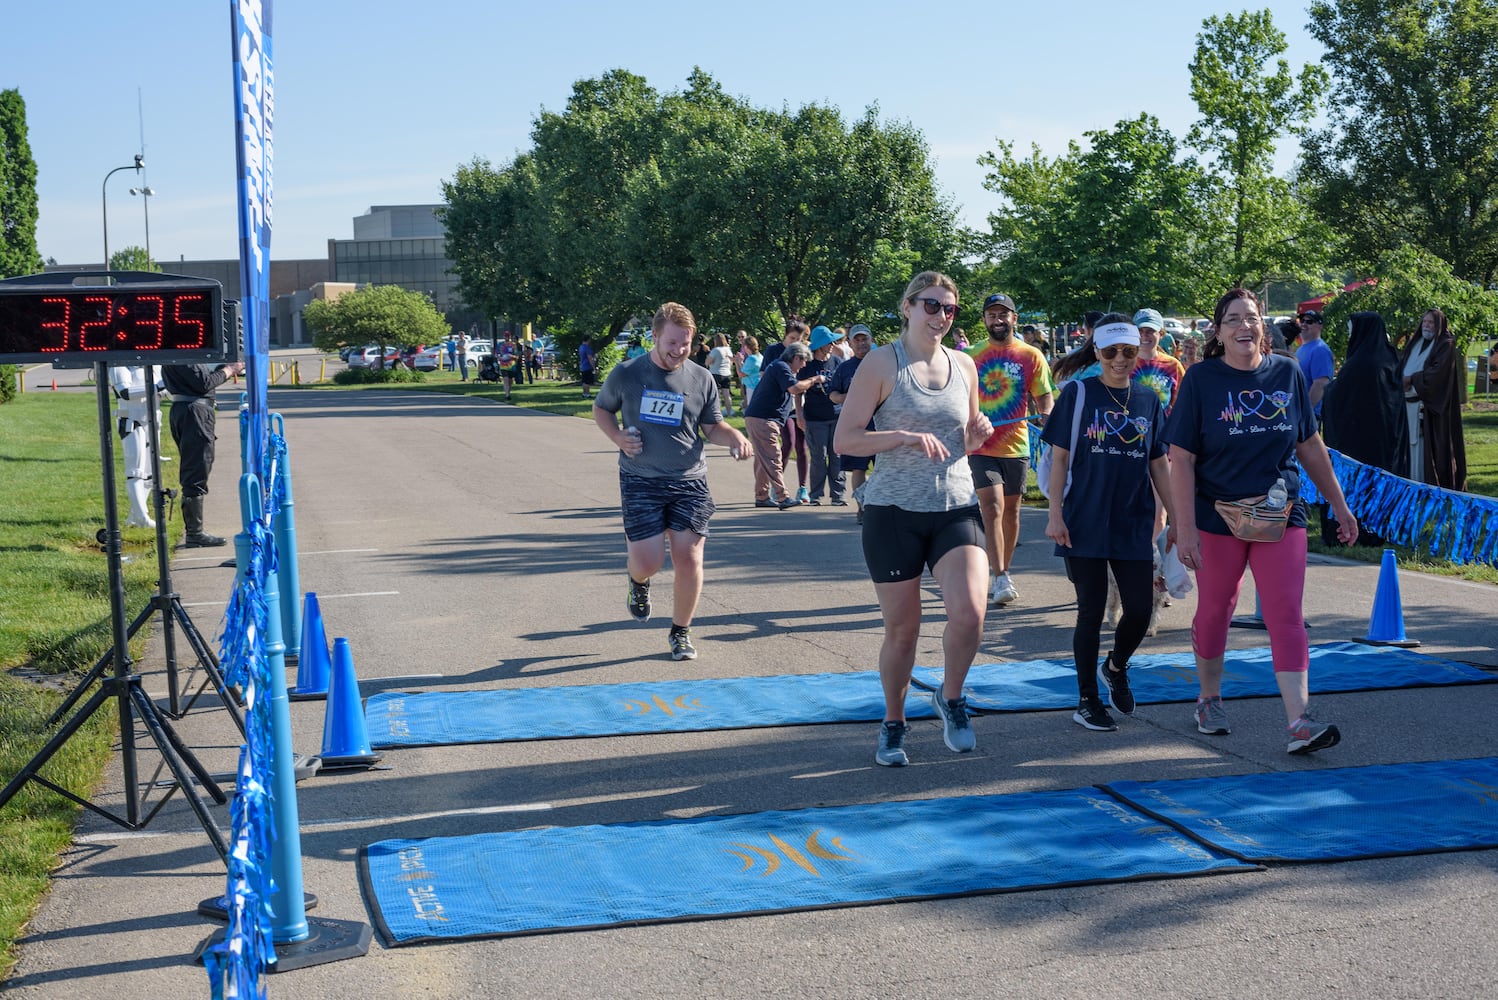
(129, 384)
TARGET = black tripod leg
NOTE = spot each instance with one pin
(210, 666)
(95, 672)
(53, 745)
(181, 760)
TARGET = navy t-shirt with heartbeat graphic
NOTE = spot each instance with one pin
(1110, 509)
(1243, 428)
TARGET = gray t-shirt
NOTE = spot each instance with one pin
(668, 408)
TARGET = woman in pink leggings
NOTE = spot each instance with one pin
(1240, 422)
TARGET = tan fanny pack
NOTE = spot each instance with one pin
(1252, 521)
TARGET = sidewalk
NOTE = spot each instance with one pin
(480, 542)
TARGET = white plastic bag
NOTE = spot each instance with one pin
(1178, 581)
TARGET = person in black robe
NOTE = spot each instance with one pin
(1362, 412)
(1435, 375)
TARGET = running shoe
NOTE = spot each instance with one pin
(788, 503)
(1211, 718)
(891, 752)
(956, 730)
(1005, 591)
(766, 503)
(1091, 714)
(1117, 683)
(681, 644)
(638, 601)
(1307, 735)
(803, 495)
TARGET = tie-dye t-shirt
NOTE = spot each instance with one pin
(1161, 375)
(1009, 375)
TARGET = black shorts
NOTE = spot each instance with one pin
(989, 472)
(855, 463)
(725, 382)
(899, 544)
(653, 505)
(588, 377)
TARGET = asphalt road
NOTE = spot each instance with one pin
(481, 543)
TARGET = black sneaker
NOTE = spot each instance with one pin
(681, 644)
(1117, 682)
(1091, 714)
(766, 503)
(638, 601)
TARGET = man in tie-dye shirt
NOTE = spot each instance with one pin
(1013, 382)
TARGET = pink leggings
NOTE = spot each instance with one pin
(1280, 578)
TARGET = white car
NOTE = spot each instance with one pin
(430, 359)
(364, 357)
(1175, 328)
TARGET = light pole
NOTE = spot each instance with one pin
(140, 161)
(145, 204)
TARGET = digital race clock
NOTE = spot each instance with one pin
(137, 318)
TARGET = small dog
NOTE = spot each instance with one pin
(1161, 598)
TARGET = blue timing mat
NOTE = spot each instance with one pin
(536, 881)
(1332, 815)
(443, 718)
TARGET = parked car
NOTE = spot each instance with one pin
(364, 357)
(476, 351)
(430, 359)
(1175, 328)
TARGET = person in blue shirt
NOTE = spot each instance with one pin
(1242, 427)
(816, 417)
(1315, 357)
(855, 467)
(1105, 519)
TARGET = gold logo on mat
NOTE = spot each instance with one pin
(682, 703)
(1488, 793)
(749, 854)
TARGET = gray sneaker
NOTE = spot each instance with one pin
(1211, 718)
(1307, 735)
(891, 751)
(956, 731)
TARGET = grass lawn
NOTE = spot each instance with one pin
(54, 618)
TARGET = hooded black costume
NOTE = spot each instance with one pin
(1362, 412)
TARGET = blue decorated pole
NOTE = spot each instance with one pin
(289, 581)
(287, 904)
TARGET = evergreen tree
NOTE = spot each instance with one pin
(18, 253)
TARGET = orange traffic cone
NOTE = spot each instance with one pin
(54, 385)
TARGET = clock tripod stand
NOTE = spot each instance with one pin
(167, 601)
(123, 686)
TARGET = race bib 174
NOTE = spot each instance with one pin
(660, 407)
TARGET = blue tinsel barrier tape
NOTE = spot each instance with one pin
(1331, 815)
(536, 881)
(453, 717)
(1459, 527)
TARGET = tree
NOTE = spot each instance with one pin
(1256, 228)
(132, 259)
(493, 241)
(1411, 282)
(387, 315)
(754, 215)
(1112, 227)
(18, 253)
(1411, 153)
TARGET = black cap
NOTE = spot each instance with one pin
(1309, 316)
(999, 299)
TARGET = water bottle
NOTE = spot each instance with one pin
(1277, 495)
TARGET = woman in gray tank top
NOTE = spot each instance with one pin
(920, 509)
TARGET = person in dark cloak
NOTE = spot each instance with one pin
(1362, 410)
(1434, 376)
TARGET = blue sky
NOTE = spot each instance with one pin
(377, 102)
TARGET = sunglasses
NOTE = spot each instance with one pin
(934, 306)
(1109, 353)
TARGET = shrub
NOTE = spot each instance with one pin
(371, 376)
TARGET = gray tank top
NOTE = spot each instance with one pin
(905, 477)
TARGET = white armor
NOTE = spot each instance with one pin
(129, 384)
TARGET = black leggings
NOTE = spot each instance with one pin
(1136, 592)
